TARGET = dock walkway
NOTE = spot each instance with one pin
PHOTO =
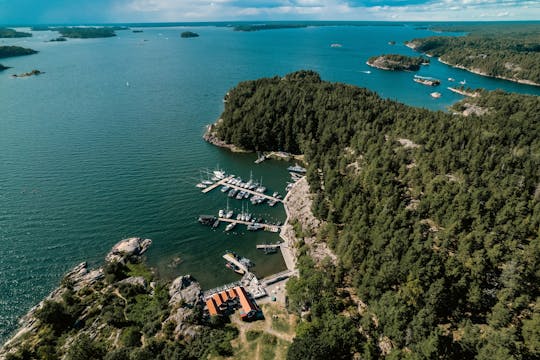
(266, 227)
(224, 182)
(215, 185)
(232, 259)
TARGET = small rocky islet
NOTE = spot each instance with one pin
(397, 62)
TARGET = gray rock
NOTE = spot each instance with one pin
(128, 247)
(134, 280)
(185, 289)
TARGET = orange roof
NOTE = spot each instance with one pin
(246, 304)
(211, 306)
(224, 296)
(232, 293)
(217, 299)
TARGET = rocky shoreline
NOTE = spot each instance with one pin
(211, 137)
(184, 293)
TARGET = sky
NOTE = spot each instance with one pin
(112, 11)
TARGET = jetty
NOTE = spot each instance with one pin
(217, 184)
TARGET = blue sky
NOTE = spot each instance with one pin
(88, 11)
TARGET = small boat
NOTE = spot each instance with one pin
(246, 195)
(254, 227)
(275, 194)
(234, 268)
(208, 182)
(232, 193)
(451, 79)
(225, 188)
(297, 169)
(221, 213)
(240, 195)
(366, 71)
(335, 45)
(436, 95)
(215, 224)
(429, 81)
(272, 202)
(463, 82)
(230, 226)
(201, 186)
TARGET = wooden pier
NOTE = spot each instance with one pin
(265, 227)
(224, 182)
(230, 258)
(215, 185)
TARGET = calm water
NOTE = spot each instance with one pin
(86, 160)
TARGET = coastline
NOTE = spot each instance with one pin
(472, 70)
(211, 137)
(478, 72)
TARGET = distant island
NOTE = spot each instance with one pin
(189, 34)
(10, 33)
(137, 31)
(397, 62)
(2, 67)
(11, 51)
(86, 32)
(61, 38)
(496, 50)
(259, 27)
(27, 74)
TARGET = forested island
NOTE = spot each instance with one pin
(2, 67)
(10, 33)
(259, 27)
(121, 311)
(189, 34)
(433, 217)
(11, 51)
(497, 50)
(86, 32)
(397, 62)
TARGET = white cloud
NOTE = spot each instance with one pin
(212, 10)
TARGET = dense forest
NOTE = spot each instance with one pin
(10, 51)
(501, 50)
(397, 62)
(434, 218)
(10, 33)
(86, 32)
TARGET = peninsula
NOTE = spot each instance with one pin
(189, 34)
(397, 62)
(10, 33)
(2, 67)
(11, 51)
(495, 50)
(400, 195)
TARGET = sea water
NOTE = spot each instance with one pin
(107, 144)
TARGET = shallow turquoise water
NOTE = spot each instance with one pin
(86, 160)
